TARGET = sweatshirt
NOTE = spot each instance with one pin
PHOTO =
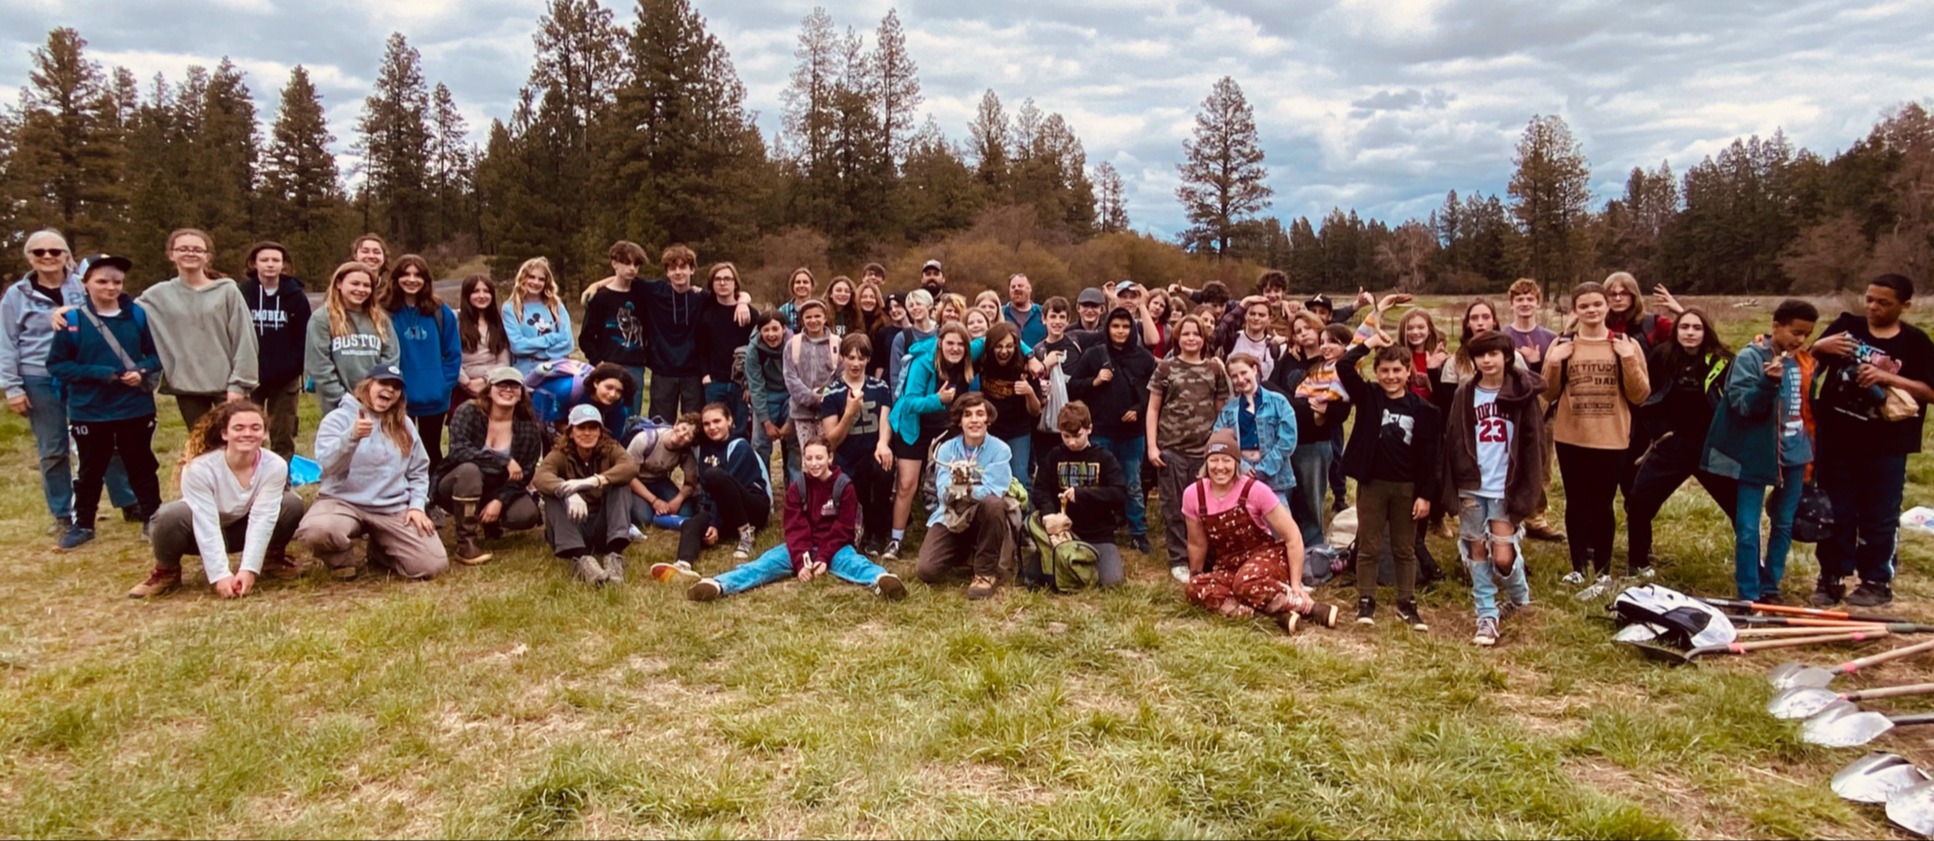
(477, 364)
(1100, 490)
(719, 338)
(430, 352)
(810, 367)
(1126, 392)
(215, 499)
(614, 327)
(816, 522)
(536, 336)
(738, 460)
(671, 319)
(281, 328)
(994, 459)
(90, 369)
(371, 474)
(205, 337)
(337, 363)
(26, 333)
(1595, 393)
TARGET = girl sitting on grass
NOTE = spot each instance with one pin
(1237, 566)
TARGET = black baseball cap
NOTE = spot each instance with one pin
(384, 372)
(122, 263)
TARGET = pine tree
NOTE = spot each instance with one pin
(223, 156)
(896, 86)
(809, 100)
(1113, 206)
(66, 164)
(1550, 190)
(451, 168)
(940, 192)
(395, 148)
(302, 193)
(1223, 174)
(987, 138)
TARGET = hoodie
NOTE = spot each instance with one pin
(1126, 392)
(84, 362)
(765, 380)
(614, 327)
(810, 366)
(371, 474)
(536, 336)
(671, 318)
(205, 337)
(337, 363)
(1100, 490)
(27, 333)
(1517, 404)
(281, 328)
(815, 521)
(430, 352)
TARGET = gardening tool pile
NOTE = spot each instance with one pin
(1697, 628)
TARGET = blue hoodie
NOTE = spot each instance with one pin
(84, 362)
(536, 336)
(431, 355)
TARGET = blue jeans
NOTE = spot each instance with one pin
(776, 565)
(637, 373)
(1311, 466)
(1023, 449)
(1759, 575)
(642, 512)
(1474, 524)
(730, 394)
(1130, 452)
(1865, 492)
(48, 419)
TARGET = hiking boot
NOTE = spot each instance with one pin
(1869, 594)
(1366, 610)
(614, 568)
(1407, 613)
(347, 573)
(1538, 528)
(1141, 544)
(1574, 578)
(278, 564)
(586, 568)
(1771, 597)
(744, 550)
(1324, 615)
(704, 591)
(982, 587)
(665, 573)
(1598, 590)
(131, 514)
(1828, 592)
(1487, 632)
(161, 580)
(1288, 620)
(467, 551)
(74, 538)
(890, 588)
(892, 550)
(1180, 574)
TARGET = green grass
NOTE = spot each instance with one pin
(506, 700)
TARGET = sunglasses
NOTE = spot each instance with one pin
(47, 252)
(508, 386)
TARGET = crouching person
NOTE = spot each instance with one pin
(821, 516)
(970, 528)
(495, 444)
(1238, 566)
(1086, 483)
(586, 485)
(1494, 474)
(375, 482)
(234, 498)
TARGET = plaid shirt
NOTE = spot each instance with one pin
(469, 428)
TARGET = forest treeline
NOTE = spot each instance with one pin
(636, 127)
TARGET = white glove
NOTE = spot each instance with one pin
(575, 505)
(572, 487)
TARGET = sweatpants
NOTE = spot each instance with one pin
(430, 429)
(1660, 475)
(98, 442)
(605, 529)
(331, 527)
(1384, 524)
(1591, 484)
(172, 532)
(985, 547)
(466, 481)
(194, 406)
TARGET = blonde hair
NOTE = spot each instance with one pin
(339, 323)
(955, 300)
(394, 423)
(26, 248)
(549, 296)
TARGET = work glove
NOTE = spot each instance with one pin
(578, 510)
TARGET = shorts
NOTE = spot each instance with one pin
(916, 451)
(1475, 515)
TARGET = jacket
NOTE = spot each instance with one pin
(371, 474)
(26, 334)
(562, 463)
(1426, 434)
(469, 429)
(1744, 440)
(536, 336)
(84, 362)
(1524, 479)
(1682, 406)
(993, 458)
(738, 460)
(1275, 436)
(430, 352)
(1031, 326)
(809, 368)
(765, 380)
(1100, 490)
(919, 394)
(281, 329)
(816, 521)
(1126, 392)
(337, 363)
(205, 337)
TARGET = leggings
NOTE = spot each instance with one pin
(1672, 461)
(736, 504)
(430, 428)
(1591, 483)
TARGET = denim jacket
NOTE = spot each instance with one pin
(1275, 436)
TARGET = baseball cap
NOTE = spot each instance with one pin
(1091, 295)
(930, 264)
(1124, 286)
(1223, 442)
(1320, 300)
(384, 372)
(505, 374)
(586, 413)
(122, 263)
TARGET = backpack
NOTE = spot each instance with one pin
(738, 367)
(1813, 522)
(646, 429)
(1681, 619)
(1065, 568)
(840, 482)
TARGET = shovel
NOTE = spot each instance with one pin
(1845, 726)
(1676, 657)
(1876, 776)
(1789, 675)
(1806, 701)
(1913, 808)
(1794, 610)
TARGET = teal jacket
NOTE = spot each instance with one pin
(1744, 440)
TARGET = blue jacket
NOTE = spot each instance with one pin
(919, 393)
(996, 470)
(26, 334)
(1033, 329)
(739, 461)
(535, 335)
(1744, 440)
(1275, 436)
(82, 360)
(431, 351)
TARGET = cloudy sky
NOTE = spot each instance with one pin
(1381, 105)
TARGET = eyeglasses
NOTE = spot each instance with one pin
(189, 249)
(508, 386)
(47, 252)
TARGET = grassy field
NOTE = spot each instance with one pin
(506, 700)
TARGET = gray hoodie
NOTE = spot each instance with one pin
(205, 337)
(26, 334)
(810, 366)
(337, 363)
(371, 474)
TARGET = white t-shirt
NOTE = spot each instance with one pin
(1494, 435)
(1258, 349)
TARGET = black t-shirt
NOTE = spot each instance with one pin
(865, 432)
(1011, 418)
(1399, 425)
(1908, 353)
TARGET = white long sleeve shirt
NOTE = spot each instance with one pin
(216, 499)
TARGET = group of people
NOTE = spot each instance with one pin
(994, 415)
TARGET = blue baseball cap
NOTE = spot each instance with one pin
(384, 372)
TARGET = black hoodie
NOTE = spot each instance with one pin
(1126, 392)
(281, 326)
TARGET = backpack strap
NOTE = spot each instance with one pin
(113, 344)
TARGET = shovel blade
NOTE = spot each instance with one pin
(1913, 808)
(1663, 654)
(1797, 675)
(1875, 777)
(1637, 632)
(1800, 702)
(1845, 727)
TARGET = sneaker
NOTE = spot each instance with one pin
(1325, 615)
(1288, 620)
(982, 587)
(1573, 577)
(1828, 592)
(1597, 590)
(890, 588)
(74, 538)
(1487, 632)
(59, 527)
(131, 514)
(1869, 594)
(347, 573)
(892, 550)
(280, 565)
(1180, 574)
(1645, 573)
(744, 550)
(587, 569)
(705, 590)
(161, 580)
(1366, 610)
(614, 568)
(665, 573)
(1407, 613)
(1141, 544)
(1510, 608)
(636, 535)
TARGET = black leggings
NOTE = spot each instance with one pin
(430, 428)
(736, 504)
(1673, 461)
(1591, 484)
(874, 488)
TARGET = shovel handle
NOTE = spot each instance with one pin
(1795, 610)
(1911, 720)
(1890, 692)
(1852, 666)
(1795, 642)
(1768, 633)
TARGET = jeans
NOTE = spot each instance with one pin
(671, 396)
(788, 450)
(1865, 492)
(1474, 521)
(731, 395)
(637, 373)
(776, 565)
(1311, 466)
(1022, 448)
(1177, 473)
(1130, 452)
(1755, 574)
(48, 419)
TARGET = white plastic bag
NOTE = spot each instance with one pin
(1919, 518)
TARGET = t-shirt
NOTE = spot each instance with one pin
(1494, 434)
(1191, 393)
(1395, 455)
(1259, 502)
(1908, 353)
(1246, 436)
(1258, 348)
(1539, 337)
(864, 435)
(1795, 447)
(1011, 417)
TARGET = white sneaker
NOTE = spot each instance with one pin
(1180, 574)
(1597, 590)
(1573, 577)
(744, 549)
(636, 535)
(1487, 632)
(1646, 573)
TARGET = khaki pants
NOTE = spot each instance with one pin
(986, 546)
(1383, 511)
(331, 525)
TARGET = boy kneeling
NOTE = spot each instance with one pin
(1086, 483)
(820, 516)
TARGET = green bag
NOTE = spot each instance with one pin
(1067, 568)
